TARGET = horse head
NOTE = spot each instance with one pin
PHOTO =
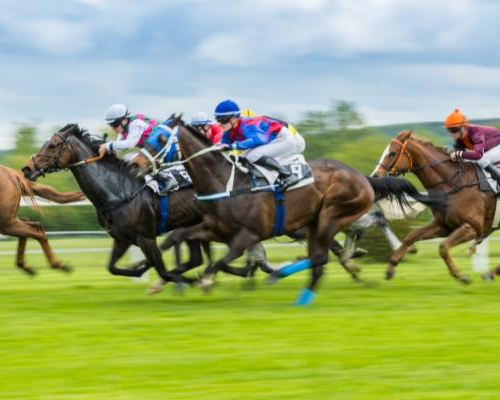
(57, 153)
(395, 159)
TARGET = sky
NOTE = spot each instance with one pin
(397, 60)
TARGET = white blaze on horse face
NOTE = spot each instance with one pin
(384, 154)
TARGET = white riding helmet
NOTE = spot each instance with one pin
(116, 112)
(201, 118)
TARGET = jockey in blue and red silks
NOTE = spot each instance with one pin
(262, 139)
(474, 142)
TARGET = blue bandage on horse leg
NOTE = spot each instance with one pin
(305, 298)
(295, 267)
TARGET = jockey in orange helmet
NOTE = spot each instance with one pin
(474, 142)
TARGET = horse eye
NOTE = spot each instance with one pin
(392, 154)
(52, 145)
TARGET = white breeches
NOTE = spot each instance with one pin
(284, 145)
(491, 156)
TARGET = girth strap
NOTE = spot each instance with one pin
(279, 198)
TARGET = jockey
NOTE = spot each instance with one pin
(474, 142)
(205, 125)
(261, 138)
(132, 130)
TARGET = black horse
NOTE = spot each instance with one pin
(127, 209)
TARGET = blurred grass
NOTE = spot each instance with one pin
(90, 335)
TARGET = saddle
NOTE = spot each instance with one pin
(486, 182)
(262, 177)
(176, 173)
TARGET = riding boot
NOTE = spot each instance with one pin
(169, 185)
(494, 171)
(285, 175)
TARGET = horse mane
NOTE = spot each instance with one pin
(91, 141)
(428, 143)
(200, 136)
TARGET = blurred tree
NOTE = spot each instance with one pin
(26, 140)
(344, 115)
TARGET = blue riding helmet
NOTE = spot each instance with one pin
(225, 110)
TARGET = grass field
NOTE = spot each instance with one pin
(90, 335)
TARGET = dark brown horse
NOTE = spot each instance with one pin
(13, 185)
(339, 196)
(126, 208)
(470, 212)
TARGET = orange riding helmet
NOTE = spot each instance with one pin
(455, 120)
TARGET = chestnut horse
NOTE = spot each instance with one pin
(13, 185)
(339, 196)
(470, 212)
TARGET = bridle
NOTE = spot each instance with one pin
(402, 153)
(54, 167)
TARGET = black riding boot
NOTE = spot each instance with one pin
(494, 171)
(285, 175)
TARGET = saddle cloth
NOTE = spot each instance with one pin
(485, 181)
(488, 184)
(297, 164)
(177, 173)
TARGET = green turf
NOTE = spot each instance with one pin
(89, 335)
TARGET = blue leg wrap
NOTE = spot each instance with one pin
(305, 298)
(295, 267)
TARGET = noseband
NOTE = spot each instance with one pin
(402, 152)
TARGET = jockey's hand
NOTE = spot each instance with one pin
(223, 146)
(102, 150)
(454, 155)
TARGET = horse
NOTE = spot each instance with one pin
(470, 212)
(150, 158)
(13, 185)
(126, 208)
(339, 196)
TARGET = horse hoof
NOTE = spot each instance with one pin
(465, 279)
(412, 250)
(180, 289)
(488, 277)
(65, 268)
(29, 271)
(305, 298)
(389, 275)
(274, 277)
(206, 285)
(154, 290)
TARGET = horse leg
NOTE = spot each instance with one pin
(21, 248)
(153, 256)
(328, 226)
(240, 242)
(119, 249)
(429, 231)
(24, 229)
(351, 268)
(195, 259)
(462, 234)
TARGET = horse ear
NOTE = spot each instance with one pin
(405, 135)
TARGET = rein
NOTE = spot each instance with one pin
(404, 152)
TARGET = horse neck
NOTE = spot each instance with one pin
(101, 184)
(210, 172)
(436, 176)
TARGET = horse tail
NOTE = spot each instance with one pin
(399, 189)
(26, 191)
(49, 193)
